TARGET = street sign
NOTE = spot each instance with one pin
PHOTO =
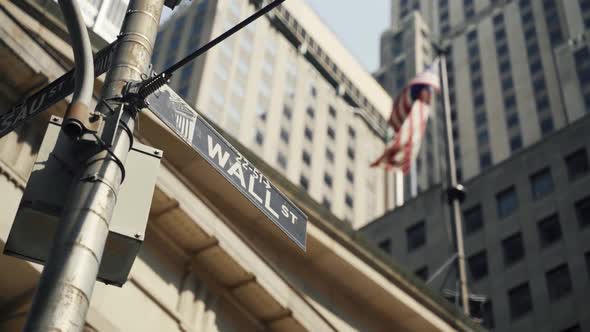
(221, 155)
(52, 93)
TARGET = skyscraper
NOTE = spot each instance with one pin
(287, 89)
(516, 72)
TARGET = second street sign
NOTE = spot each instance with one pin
(220, 154)
(52, 93)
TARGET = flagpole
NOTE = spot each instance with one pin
(455, 191)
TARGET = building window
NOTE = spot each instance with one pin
(349, 176)
(259, 138)
(520, 301)
(329, 155)
(478, 265)
(507, 202)
(282, 160)
(287, 112)
(546, 125)
(473, 219)
(577, 164)
(310, 112)
(306, 158)
(304, 182)
(284, 135)
(559, 283)
(349, 201)
(350, 153)
(485, 160)
(422, 273)
(541, 183)
(385, 245)
(512, 120)
(513, 249)
(515, 143)
(583, 211)
(326, 203)
(549, 230)
(328, 180)
(308, 133)
(332, 111)
(416, 236)
(351, 132)
(331, 133)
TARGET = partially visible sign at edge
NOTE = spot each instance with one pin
(52, 93)
(220, 154)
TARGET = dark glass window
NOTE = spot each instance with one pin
(287, 112)
(485, 160)
(331, 133)
(282, 160)
(422, 273)
(520, 301)
(478, 265)
(506, 202)
(481, 118)
(583, 211)
(483, 137)
(308, 133)
(577, 164)
(310, 112)
(259, 138)
(326, 203)
(306, 158)
(473, 219)
(284, 135)
(509, 101)
(549, 230)
(328, 180)
(547, 126)
(472, 36)
(541, 183)
(332, 111)
(351, 132)
(329, 155)
(304, 182)
(515, 143)
(512, 120)
(416, 236)
(559, 283)
(385, 245)
(349, 176)
(312, 91)
(349, 201)
(350, 153)
(513, 249)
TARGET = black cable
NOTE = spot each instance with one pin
(116, 159)
(154, 83)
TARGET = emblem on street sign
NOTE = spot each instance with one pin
(220, 154)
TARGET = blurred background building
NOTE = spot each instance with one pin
(289, 90)
(519, 85)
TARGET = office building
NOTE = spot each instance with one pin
(516, 72)
(209, 262)
(526, 223)
(287, 89)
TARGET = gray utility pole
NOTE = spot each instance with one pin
(455, 191)
(65, 289)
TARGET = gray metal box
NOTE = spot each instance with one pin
(32, 232)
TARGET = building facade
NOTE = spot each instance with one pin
(289, 91)
(210, 260)
(526, 227)
(514, 76)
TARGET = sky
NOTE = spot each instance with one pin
(358, 24)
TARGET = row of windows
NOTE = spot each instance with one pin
(536, 68)
(582, 62)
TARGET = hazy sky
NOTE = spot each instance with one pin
(358, 24)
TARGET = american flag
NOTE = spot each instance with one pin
(408, 118)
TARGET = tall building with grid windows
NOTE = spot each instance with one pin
(516, 72)
(287, 89)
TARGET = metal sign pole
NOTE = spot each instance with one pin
(65, 289)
